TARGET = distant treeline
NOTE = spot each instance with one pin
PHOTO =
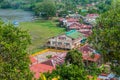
(18, 4)
(62, 6)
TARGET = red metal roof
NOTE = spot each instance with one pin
(40, 68)
(92, 15)
(87, 51)
(32, 59)
(72, 20)
(56, 60)
(77, 26)
(86, 33)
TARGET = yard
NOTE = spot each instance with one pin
(40, 32)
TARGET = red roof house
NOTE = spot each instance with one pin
(72, 20)
(88, 52)
(78, 26)
(85, 29)
(92, 15)
(56, 60)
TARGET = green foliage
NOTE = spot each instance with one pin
(106, 34)
(93, 69)
(74, 57)
(13, 55)
(45, 8)
(68, 72)
(49, 56)
(40, 32)
(75, 70)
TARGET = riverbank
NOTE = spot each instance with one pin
(40, 32)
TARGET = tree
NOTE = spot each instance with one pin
(106, 34)
(46, 9)
(74, 57)
(68, 72)
(75, 70)
(13, 55)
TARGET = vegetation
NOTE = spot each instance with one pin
(14, 61)
(48, 8)
(74, 57)
(75, 70)
(40, 32)
(106, 35)
(45, 9)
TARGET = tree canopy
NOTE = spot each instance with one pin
(14, 60)
(106, 34)
(75, 70)
(45, 8)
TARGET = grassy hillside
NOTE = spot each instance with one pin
(40, 31)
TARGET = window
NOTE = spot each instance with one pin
(54, 42)
(67, 44)
(59, 43)
(62, 38)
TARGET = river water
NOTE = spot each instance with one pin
(16, 15)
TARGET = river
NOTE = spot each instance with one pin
(16, 15)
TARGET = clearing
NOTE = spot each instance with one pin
(40, 32)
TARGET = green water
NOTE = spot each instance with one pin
(16, 15)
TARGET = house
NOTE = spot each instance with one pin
(91, 19)
(38, 68)
(56, 60)
(75, 16)
(66, 21)
(83, 28)
(89, 55)
(86, 33)
(79, 27)
(69, 40)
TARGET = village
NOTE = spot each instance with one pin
(59, 40)
(75, 37)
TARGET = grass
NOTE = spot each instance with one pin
(40, 32)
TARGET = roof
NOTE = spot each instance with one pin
(40, 68)
(87, 52)
(92, 15)
(77, 25)
(74, 34)
(32, 59)
(72, 20)
(86, 33)
(56, 60)
(74, 25)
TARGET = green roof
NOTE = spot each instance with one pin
(74, 34)
(84, 10)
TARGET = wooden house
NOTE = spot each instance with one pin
(69, 40)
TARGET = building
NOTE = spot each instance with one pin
(83, 28)
(38, 68)
(69, 40)
(89, 55)
(91, 19)
(58, 59)
(67, 21)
